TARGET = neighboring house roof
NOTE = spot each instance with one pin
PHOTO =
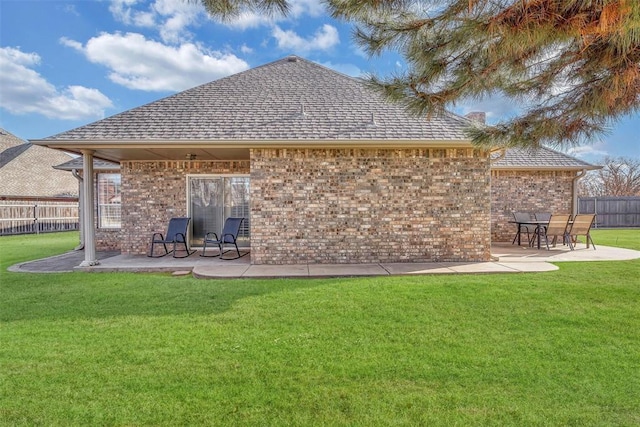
(289, 102)
(12, 152)
(538, 159)
(99, 165)
(8, 140)
(26, 170)
(10, 147)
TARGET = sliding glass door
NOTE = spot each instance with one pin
(212, 199)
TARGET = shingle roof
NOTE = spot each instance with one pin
(98, 164)
(289, 99)
(11, 153)
(10, 147)
(8, 140)
(27, 170)
(541, 158)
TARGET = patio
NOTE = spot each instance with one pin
(507, 259)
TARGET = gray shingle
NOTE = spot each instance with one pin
(98, 164)
(541, 158)
(28, 170)
(289, 99)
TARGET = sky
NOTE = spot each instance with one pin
(64, 64)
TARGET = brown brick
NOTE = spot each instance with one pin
(527, 191)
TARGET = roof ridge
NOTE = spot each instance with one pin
(540, 157)
(13, 152)
(566, 155)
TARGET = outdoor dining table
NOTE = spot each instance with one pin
(532, 222)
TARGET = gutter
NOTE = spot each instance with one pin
(574, 191)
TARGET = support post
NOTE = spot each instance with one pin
(88, 213)
(77, 176)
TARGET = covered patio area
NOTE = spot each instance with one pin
(506, 258)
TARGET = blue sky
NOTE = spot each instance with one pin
(64, 64)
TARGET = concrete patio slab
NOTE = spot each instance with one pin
(335, 270)
(421, 268)
(507, 258)
(483, 267)
(530, 267)
(301, 270)
(506, 252)
(219, 271)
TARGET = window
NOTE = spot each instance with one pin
(212, 199)
(109, 200)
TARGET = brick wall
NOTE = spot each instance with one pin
(526, 191)
(108, 239)
(154, 192)
(360, 206)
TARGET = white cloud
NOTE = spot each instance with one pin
(247, 20)
(348, 69)
(297, 9)
(71, 9)
(176, 16)
(123, 11)
(138, 63)
(590, 151)
(172, 18)
(25, 91)
(246, 49)
(324, 39)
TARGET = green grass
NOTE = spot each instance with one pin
(557, 348)
(620, 238)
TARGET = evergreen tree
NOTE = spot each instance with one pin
(572, 65)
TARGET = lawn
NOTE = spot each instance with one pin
(557, 348)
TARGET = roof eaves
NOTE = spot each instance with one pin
(546, 168)
(250, 143)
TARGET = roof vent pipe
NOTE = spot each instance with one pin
(292, 58)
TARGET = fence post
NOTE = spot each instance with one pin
(35, 218)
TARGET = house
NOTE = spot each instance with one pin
(33, 196)
(542, 180)
(107, 181)
(26, 172)
(323, 169)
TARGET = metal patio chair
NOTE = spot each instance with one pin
(542, 216)
(581, 226)
(229, 236)
(557, 226)
(520, 219)
(176, 235)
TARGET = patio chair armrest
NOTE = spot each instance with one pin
(184, 238)
(153, 237)
(233, 238)
(206, 236)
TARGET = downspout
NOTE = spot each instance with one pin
(77, 176)
(574, 190)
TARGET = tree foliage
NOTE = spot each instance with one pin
(619, 176)
(572, 65)
(229, 9)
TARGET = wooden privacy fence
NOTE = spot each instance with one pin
(612, 211)
(29, 218)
